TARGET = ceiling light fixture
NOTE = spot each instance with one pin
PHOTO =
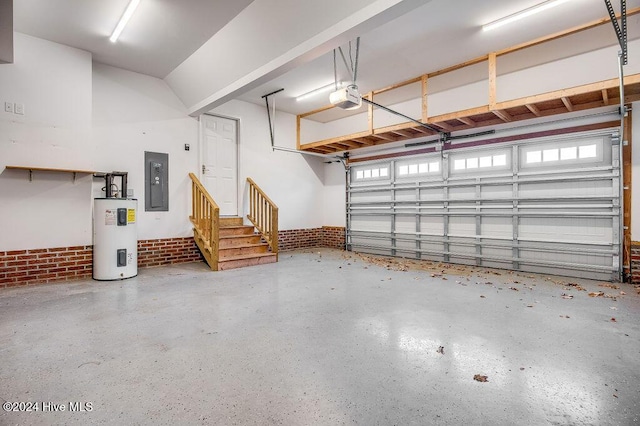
(319, 90)
(123, 21)
(522, 14)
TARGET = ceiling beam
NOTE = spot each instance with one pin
(534, 109)
(502, 115)
(567, 103)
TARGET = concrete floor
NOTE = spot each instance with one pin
(322, 338)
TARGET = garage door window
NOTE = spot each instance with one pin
(372, 173)
(577, 152)
(481, 162)
(420, 167)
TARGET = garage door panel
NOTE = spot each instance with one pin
(464, 192)
(462, 226)
(432, 225)
(546, 205)
(568, 229)
(364, 197)
(497, 227)
(496, 191)
(429, 194)
(567, 189)
(371, 223)
(406, 224)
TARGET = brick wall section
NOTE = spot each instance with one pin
(38, 266)
(332, 236)
(292, 239)
(167, 251)
(327, 236)
(635, 262)
(23, 267)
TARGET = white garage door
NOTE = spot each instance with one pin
(543, 205)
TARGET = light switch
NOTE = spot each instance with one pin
(8, 107)
(19, 108)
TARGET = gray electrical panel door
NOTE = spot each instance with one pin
(156, 181)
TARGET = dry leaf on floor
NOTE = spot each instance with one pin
(567, 296)
(521, 368)
(596, 294)
(613, 320)
(513, 288)
(479, 378)
(607, 285)
(622, 293)
(440, 350)
(482, 297)
(529, 306)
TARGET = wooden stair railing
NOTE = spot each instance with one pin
(263, 214)
(205, 216)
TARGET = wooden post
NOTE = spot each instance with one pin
(626, 192)
(274, 232)
(370, 112)
(424, 80)
(493, 75)
(297, 132)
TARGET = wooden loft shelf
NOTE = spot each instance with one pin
(581, 98)
(588, 96)
(49, 169)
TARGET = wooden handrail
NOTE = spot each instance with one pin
(205, 216)
(263, 213)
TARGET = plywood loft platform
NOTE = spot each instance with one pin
(591, 96)
(594, 95)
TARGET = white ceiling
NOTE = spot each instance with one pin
(440, 34)
(160, 35)
(163, 33)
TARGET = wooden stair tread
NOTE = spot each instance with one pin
(247, 245)
(246, 256)
(225, 237)
(236, 226)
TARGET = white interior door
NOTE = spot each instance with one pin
(220, 162)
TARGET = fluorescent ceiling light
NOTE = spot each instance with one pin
(522, 14)
(319, 90)
(123, 21)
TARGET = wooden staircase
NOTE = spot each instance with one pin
(225, 242)
(241, 246)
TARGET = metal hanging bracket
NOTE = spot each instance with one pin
(271, 124)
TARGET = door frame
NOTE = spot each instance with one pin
(239, 203)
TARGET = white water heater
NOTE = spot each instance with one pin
(115, 239)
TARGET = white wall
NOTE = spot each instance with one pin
(80, 115)
(134, 113)
(334, 207)
(53, 82)
(292, 180)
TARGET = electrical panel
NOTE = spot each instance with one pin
(156, 171)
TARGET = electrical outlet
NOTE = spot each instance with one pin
(18, 108)
(8, 107)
